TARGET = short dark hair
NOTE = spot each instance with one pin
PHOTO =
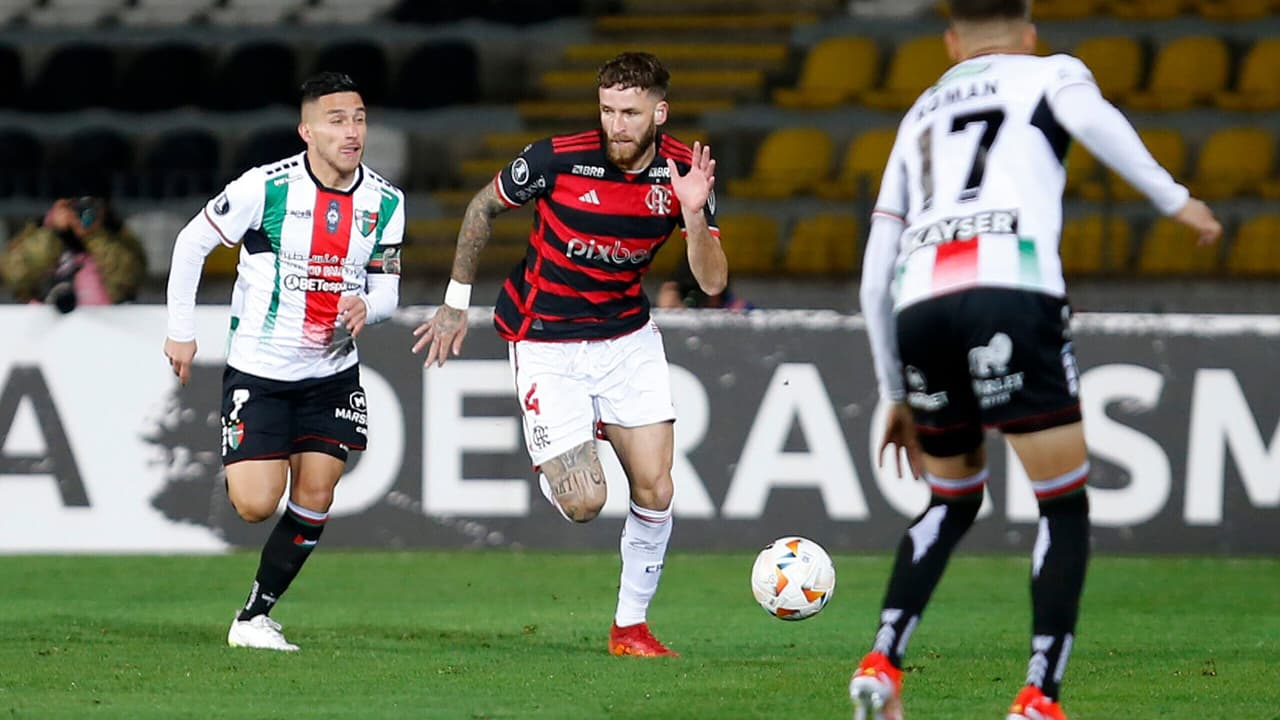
(635, 70)
(979, 10)
(327, 83)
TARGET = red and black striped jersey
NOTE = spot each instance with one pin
(595, 232)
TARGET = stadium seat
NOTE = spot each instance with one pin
(1116, 63)
(1187, 71)
(1232, 162)
(1166, 146)
(1258, 84)
(159, 13)
(1234, 9)
(825, 244)
(1145, 9)
(97, 157)
(1063, 9)
(254, 12)
(420, 84)
(386, 150)
(255, 75)
(181, 163)
(365, 62)
(769, 57)
(738, 24)
(789, 161)
(1171, 248)
(750, 242)
(1092, 245)
(75, 77)
(916, 65)
(733, 85)
(862, 167)
(345, 12)
(12, 84)
(267, 145)
(1082, 168)
(668, 257)
(21, 163)
(836, 71)
(163, 77)
(1256, 248)
(73, 13)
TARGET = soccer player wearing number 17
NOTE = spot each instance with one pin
(586, 357)
(319, 236)
(966, 313)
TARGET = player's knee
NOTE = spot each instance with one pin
(317, 499)
(656, 494)
(255, 509)
(577, 482)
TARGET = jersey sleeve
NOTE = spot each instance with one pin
(1065, 72)
(708, 211)
(238, 208)
(386, 251)
(893, 199)
(526, 177)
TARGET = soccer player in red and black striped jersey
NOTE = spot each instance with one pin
(586, 356)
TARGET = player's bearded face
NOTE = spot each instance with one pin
(336, 124)
(630, 121)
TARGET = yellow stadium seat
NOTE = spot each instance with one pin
(717, 84)
(1063, 9)
(1187, 71)
(750, 243)
(823, 245)
(1166, 146)
(1146, 9)
(1171, 248)
(767, 56)
(1258, 87)
(222, 261)
(1234, 9)
(664, 263)
(1256, 249)
(837, 70)
(863, 166)
(1234, 161)
(1116, 63)
(789, 161)
(917, 64)
(1091, 245)
(1082, 168)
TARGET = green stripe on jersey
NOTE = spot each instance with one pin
(1028, 261)
(272, 225)
(388, 208)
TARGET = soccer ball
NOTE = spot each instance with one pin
(793, 578)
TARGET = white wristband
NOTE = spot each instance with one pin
(457, 295)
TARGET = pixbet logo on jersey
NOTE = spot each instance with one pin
(615, 253)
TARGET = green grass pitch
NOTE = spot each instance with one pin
(522, 635)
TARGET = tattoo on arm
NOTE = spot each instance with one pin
(477, 226)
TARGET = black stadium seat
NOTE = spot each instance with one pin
(75, 77)
(365, 62)
(181, 163)
(256, 75)
(266, 146)
(11, 83)
(91, 161)
(438, 74)
(21, 162)
(164, 77)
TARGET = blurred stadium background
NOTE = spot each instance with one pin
(169, 99)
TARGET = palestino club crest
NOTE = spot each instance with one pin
(366, 221)
(658, 200)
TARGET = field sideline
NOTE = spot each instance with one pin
(522, 635)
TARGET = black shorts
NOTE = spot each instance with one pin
(987, 357)
(263, 419)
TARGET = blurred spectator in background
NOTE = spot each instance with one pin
(79, 254)
(681, 290)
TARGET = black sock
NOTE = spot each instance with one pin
(1057, 580)
(287, 548)
(922, 557)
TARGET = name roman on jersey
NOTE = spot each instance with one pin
(615, 253)
(957, 93)
(318, 284)
(964, 228)
(594, 171)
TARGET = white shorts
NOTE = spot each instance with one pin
(567, 389)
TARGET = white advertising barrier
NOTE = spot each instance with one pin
(101, 451)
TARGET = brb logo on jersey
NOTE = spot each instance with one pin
(332, 217)
(616, 253)
(658, 200)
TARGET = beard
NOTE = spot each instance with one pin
(625, 156)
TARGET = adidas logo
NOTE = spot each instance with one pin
(589, 197)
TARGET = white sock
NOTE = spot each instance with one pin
(644, 545)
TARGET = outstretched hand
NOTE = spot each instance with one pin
(180, 355)
(1199, 217)
(442, 334)
(694, 187)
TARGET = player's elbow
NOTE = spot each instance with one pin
(715, 286)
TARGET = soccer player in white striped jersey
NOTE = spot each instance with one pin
(319, 236)
(966, 313)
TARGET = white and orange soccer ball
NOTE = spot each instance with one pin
(793, 578)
